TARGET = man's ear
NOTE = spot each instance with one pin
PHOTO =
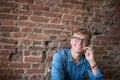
(89, 42)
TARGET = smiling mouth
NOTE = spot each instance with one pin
(79, 47)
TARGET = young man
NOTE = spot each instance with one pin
(78, 61)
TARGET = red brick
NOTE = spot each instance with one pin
(27, 53)
(18, 77)
(61, 38)
(36, 7)
(38, 30)
(26, 6)
(6, 34)
(8, 16)
(34, 76)
(39, 19)
(3, 77)
(9, 46)
(4, 58)
(69, 17)
(66, 1)
(36, 37)
(8, 22)
(26, 30)
(19, 71)
(26, 41)
(38, 13)
(65, 10)
(5, 71)
(5, 10)
(117, 10)
(23, 17)
(56, 15)
(53, 37)
(66, 5)
(4, 64)
(36, 48)
(52, 31)
(78, 7)
(37, 53)
(23, 12)
(33, 59)
(76, 23)
(75, 12)
(114, 30)
(37, 42)
(41, 25)
(20, 65)
(76, 2)
(28, 24)
(100, 52)
(37, 2)
(50, 3)
(55, 21)
(79, 18)
(52, 26)
(25, 1)
(32, 71)
(4, 52)
(8, 4)
(65, 22)
(9, 29)
(9, 41)
(108, 38)
(70, 28)
(35, 65)
(1, 46)
(18, 35)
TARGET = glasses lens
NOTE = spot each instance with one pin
(77, 39)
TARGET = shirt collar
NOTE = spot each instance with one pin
(82, 60)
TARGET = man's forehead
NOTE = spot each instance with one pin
(81, 35)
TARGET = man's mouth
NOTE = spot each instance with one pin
(78, 47)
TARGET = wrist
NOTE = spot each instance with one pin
(92, 62)
(93, 66)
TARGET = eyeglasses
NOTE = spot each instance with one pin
(77, 39)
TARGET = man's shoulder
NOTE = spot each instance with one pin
(63, 52)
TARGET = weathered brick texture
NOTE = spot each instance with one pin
(31, 31)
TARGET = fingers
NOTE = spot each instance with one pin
(88, 50)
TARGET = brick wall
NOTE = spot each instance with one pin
(32, 30)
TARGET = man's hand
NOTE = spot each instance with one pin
(90, 57)
(89, 54)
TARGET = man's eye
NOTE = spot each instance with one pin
(77, 38)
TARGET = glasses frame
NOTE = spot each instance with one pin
(77, 39)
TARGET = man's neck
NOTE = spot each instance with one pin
(76, 56)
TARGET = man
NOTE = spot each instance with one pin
(78, 61)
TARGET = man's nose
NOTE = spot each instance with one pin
(80, 42)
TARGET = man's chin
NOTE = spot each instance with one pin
(79, 51)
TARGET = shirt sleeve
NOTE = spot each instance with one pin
(99, 75)
(57, 67)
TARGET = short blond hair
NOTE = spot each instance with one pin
(83, 31)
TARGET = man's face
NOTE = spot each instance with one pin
(79, 42)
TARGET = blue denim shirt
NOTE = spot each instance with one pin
(64, 68)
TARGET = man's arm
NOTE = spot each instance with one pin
(57, 68)
(94, 72)
(94, 67)
(98, 76)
